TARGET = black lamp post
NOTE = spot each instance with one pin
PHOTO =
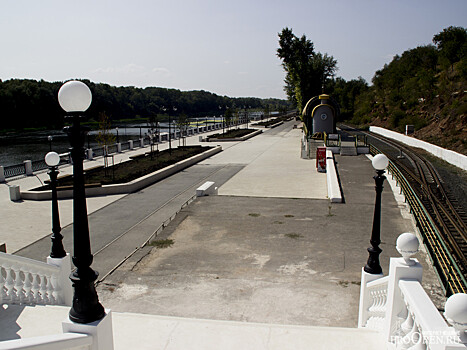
(380, 162)
(52, 159)
(75, 98)
(175, 110)
(50, 138)
(118, 140)
(158, 128)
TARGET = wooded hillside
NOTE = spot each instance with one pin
(426, 87)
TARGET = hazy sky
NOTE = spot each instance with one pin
(226, 47)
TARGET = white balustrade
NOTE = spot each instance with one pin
(399, 308)
(26, 281)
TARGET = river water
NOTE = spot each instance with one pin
(18, 147)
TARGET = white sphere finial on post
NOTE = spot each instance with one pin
(456, 314)
(407, 245)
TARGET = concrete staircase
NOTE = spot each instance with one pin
(142, 331)
(348, 149)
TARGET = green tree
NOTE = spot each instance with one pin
(452, 44)
(228, 116)
(306, 70)
(183, 122)
(105, 138)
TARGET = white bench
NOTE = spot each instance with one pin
(206, 189)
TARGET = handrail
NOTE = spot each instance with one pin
(6, 259)
(27, 281)
(420, 324)
(378, 282)
(49, 342)
(425, 312)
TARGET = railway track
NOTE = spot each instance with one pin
(442, 223)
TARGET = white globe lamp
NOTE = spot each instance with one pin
(74, 96)
(52, 159)
(380, 162)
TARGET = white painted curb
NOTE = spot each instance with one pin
(334, 191)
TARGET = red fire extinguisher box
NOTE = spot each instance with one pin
(321, 159)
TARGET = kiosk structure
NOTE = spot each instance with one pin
(320, 115)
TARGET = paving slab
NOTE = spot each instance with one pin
(279, 171)
(264, 259)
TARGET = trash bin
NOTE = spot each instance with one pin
(321, 159)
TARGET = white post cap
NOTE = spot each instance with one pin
(407, 245)
(456, 314)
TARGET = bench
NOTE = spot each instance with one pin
(206, 189)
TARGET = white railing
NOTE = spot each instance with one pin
(378, 293)
(50, 342)
(419, 322)
(399, 308)
(27, 281)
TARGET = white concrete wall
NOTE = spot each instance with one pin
(451, 157)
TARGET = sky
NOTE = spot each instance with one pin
(225, 47)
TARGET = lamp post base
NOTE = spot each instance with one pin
(373, 266)
(86, 307)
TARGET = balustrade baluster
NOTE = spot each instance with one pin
(3, 294)
(35, 287)
(385, 300)
(51, 295)
(407, 325)
(420, 344)
(380, 301)
(43, 289)
(9, 283)
(374, 301)
(18, 284)
(27, 286)
(410, 338)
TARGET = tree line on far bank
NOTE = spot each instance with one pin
(29, 103)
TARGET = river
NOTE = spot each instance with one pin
(19, 146)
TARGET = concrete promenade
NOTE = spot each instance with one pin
(269, 250)
(25, 222)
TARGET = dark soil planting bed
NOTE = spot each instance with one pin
(137, 167)
(232, 134)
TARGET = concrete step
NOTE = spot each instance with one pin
(348, 151)
(142, 331)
